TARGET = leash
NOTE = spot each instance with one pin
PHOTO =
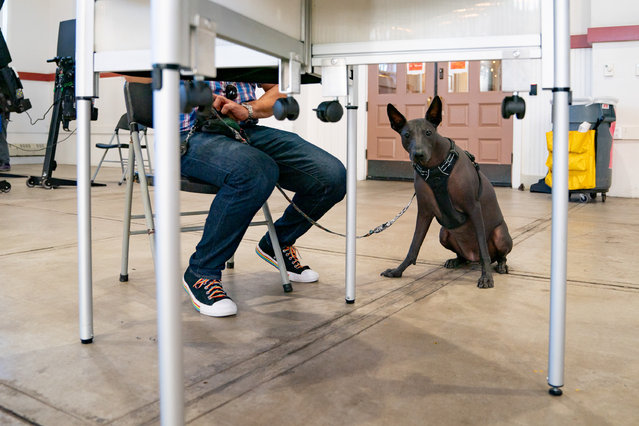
(244, 139)
(372, 231)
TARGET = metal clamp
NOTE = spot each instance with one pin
(202, 46)
(290, 77)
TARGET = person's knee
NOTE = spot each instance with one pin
(336, 181)
(258, 178)
(268, 173)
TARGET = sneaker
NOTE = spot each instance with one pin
(296, 272)
(208, 296)
(5, 167)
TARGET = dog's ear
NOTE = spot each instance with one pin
(396, 118)
(434, 113)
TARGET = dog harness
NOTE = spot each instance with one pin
(437, 178)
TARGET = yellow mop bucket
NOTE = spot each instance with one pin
(581, 160)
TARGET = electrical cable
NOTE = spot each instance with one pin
(41, 149)
(39, 119)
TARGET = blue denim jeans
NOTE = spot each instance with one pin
(246, 175)
(4, 146)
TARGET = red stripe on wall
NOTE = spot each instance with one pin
(579, 41)
(36, 76)
(604, 34)
(39, 76)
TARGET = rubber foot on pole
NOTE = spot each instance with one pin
(230, 265)
(124, 278)
(350, 301)
(86, 341)
(287, 288)
(555, 391)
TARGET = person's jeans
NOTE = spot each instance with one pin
(246, 175)
(4, 145)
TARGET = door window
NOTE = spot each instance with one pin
(416, 77)
(387, 78)
(458, 77)
(490, 76)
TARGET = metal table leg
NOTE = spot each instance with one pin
(165, 41)
(351, 185)
(557, 335)
(84, 92)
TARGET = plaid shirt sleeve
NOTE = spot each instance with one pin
(245, 93)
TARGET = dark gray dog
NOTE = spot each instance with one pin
(450, 187)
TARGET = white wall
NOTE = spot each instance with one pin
(579, 16)
(529, 134)
(623, 85)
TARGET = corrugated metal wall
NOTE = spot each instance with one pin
(581, 73)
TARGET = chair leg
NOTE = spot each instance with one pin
(231, 262)
(99, 165)
(124, 168)
(148, 211)
(286, 283)
(113, 136)
(149, 153)
(126, 232)
(129, 164)
(120, 153)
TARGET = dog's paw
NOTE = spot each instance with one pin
(485, 281)
(454, 263)
(392, 273)
(501, 267)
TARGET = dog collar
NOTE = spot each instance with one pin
(443, 169)
(437, 179)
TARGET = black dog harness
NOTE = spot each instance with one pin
(437, 178)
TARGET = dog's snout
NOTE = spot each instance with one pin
(418, 155)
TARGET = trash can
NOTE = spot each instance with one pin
(581, 159)
(601, 117)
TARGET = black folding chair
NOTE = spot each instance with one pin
(114, 143)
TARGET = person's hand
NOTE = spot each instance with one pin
(230, 108)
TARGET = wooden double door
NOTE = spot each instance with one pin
(471, 95)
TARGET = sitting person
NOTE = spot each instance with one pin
(246, 174)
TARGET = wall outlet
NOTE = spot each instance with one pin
(609, 70)
(618, 133)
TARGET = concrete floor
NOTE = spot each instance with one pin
(427, 348)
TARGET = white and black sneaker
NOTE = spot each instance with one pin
(296, 272)
(208, 296)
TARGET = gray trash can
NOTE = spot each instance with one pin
(600, 116)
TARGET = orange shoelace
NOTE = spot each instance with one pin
(293, 255)
(213, 288)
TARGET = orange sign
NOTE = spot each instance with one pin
(458, 65)
(415, 66)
